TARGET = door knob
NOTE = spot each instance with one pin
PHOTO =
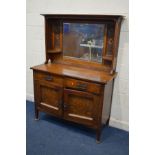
(48, 78)
(65, 106)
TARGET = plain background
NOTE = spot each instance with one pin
(35, 45)
(13, 77)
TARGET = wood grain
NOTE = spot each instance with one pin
(76, 72)
(72, 89)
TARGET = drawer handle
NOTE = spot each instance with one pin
(81, 86)
(48, 78)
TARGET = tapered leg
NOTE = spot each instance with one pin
(36, 113)
(98, 135)
(107, 123)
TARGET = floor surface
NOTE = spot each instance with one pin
(51, 136)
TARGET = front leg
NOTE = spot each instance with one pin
(98, 135)
(36, 112)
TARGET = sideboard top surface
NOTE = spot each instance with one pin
(76, 72)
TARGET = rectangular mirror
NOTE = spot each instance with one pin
(83, 41)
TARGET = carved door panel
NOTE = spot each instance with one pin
(50, 97)
(81, 107)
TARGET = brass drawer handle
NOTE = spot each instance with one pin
(48, 78)
(81, 86)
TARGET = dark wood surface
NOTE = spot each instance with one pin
(72, 99)
(50, 97)
(82, 85)
(46, 76)
(71, 89)
(81, 107)
(54, 39)
(83, 16)
(76, 72)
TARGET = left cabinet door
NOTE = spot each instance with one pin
(50, 98)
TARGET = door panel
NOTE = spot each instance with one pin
(50, 97)
(80, 106)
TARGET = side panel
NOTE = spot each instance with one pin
(107, 102)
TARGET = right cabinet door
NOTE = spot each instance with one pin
(81, 107)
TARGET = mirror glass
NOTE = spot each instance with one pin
(83, 41)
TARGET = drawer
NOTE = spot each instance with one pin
(82, 85)
(48, 77)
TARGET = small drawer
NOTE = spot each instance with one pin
(48, 77)
(82, 85)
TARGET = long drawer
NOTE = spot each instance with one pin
(48, 77)
(82, 85)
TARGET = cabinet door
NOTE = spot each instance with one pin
(81, 107)
(50, 98)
